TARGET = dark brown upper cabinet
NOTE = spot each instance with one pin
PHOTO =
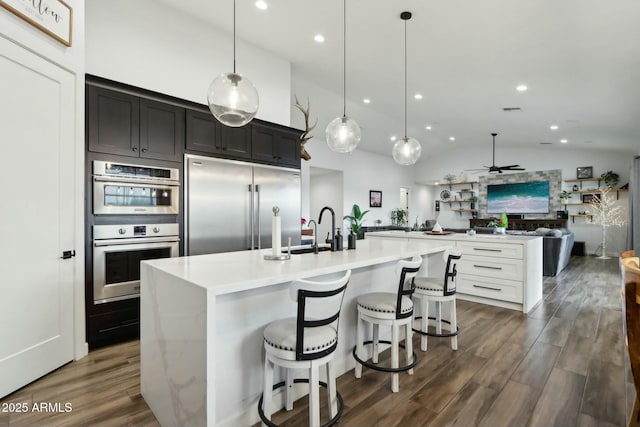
(113, 122)
(205, 134)
(124, 124)
(275, 145)
(161, 130)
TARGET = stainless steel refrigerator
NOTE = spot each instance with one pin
(229, 205)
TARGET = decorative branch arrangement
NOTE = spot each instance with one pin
(606, 213)
(305, 135)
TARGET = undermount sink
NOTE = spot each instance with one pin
(307, 250)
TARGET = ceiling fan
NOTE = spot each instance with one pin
(498, 169)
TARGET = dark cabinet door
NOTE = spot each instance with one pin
(288, 148)
(203, 132)
(275, 146)
(113, 122)
(236, 142)
(161, 130)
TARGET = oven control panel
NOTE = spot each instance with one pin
(102, 232)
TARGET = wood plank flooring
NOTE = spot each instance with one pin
(564, 364)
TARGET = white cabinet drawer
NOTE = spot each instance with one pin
(501, 268)
(497, 249)
(504, 290)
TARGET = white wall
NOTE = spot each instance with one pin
(72, 59)
(326, 186)
(147, 44)
(363, 171)
(434, 167)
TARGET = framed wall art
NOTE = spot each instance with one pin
(53, 17)
(375, 199)
(584, 172)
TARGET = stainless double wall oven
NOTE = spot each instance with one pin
(131, 194)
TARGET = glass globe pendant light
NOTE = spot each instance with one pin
(232, 98)
(406, 151)
(343, 133)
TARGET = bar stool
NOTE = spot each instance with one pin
(388, 309)
(434, 289)
(306, 341)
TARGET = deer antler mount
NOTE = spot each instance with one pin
(305, 135)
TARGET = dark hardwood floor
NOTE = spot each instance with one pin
(565, 364)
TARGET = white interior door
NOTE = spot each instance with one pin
(37, 216)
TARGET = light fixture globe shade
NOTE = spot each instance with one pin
(343, 134)
(406, 151)
(233, 99)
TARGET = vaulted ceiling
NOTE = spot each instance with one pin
(580, 60)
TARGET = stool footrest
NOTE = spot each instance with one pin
(382, 368)
(329, 423)
(433, 334)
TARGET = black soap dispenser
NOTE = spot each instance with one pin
(338, 240)
(351, 244)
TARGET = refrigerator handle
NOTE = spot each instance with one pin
(258, 214)
(251, 244)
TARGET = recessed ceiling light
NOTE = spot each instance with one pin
(553, 127)
(428, 128)
(418, 96)
(319, 38)
(393, 138)
(521, 88)
(366, 101)
(563, 141)
(452, 138)
(262, 5)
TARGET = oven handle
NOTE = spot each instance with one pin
(158, 182)
(140, 240)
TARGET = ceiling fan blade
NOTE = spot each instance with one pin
(509, 167)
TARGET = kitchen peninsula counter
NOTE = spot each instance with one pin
(501, 270)
(202, 319)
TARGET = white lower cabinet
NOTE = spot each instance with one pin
(505, 271)
(487, 287)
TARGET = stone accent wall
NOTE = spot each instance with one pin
(555, 187)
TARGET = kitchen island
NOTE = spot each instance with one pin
(495, 269)
(202, 319)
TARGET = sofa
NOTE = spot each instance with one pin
(556, 249)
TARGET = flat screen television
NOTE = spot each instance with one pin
(518, 198)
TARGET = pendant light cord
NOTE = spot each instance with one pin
(234, 36)
(405, 80)
(344, 58)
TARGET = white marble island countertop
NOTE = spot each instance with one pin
(232, 272)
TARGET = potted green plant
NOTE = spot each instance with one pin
(450, 178)
(472, 200)
(610, 179)
(399, 217)
(356, 219)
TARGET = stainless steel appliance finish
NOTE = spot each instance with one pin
(117, 252)
(120, 188)
(229, 205)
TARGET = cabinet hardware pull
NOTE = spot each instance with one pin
(487, 250)
(144, 150)
(134, 149)
(68, 254)
(487, 266)
(487, 287)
